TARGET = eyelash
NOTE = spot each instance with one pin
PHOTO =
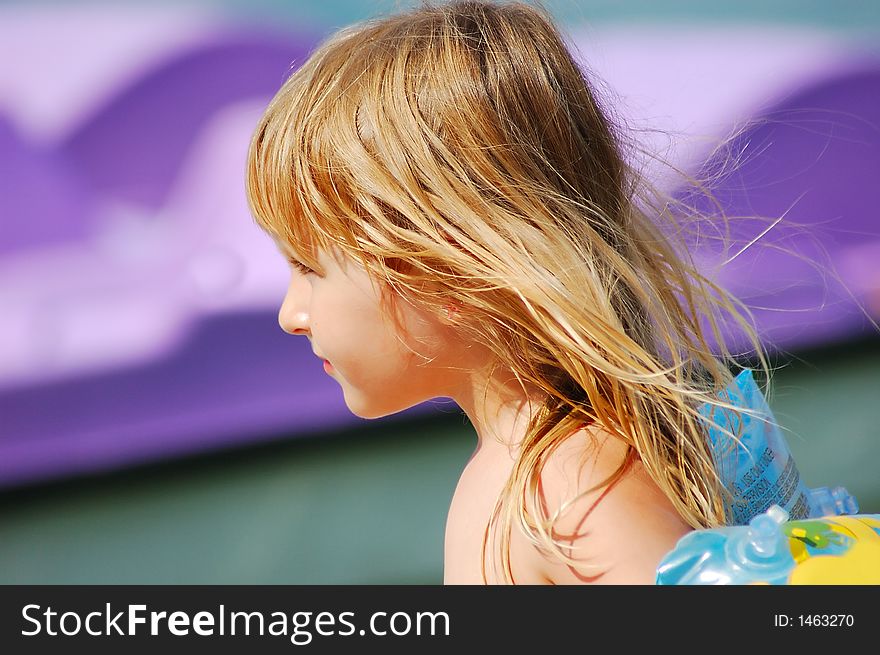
(302, 268)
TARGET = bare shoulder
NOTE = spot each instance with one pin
(617, 532)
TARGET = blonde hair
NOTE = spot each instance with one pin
(459, 152)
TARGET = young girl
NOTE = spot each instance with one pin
(462, 222)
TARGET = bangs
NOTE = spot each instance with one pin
(275, 195)
(301, 185)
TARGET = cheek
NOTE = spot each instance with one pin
(378, 377)
(379, 357)
(359, 343)
(424, 334)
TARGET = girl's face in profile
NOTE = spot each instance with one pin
(381, 368)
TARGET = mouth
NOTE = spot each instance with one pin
(327, 366)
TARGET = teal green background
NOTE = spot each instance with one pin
(366, 506)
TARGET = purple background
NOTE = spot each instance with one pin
(139, 300)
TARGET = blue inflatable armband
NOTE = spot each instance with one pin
(759, 469)
(775, 550)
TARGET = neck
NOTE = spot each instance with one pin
(499, 408)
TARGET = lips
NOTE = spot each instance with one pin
(326, 363)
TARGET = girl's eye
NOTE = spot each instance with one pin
(302, 268)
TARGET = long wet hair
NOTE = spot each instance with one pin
(461, 154)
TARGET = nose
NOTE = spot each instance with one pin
(293, 317)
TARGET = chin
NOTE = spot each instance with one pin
(367, 410)
(369, 416)
(370, 411)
